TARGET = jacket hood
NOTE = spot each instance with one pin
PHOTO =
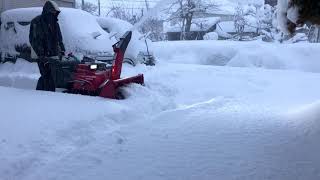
(50, 6)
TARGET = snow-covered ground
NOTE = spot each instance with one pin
(209, 110)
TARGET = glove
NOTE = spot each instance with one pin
(61, 55)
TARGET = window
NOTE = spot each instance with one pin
(24, 23)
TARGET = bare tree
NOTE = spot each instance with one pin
(314, 34)
(89, 7)
(239, 21)
(182, 12)
(122, 11)
(154, 27)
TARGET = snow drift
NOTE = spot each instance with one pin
(300, 56)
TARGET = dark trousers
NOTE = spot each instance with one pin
(46, 81)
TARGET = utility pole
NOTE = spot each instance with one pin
(99, 7)
(82, 4)
(147, 4)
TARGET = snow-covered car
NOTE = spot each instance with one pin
(138, 49)
(82, 35)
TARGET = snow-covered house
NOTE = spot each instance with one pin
(227, 29)
(199, 27)
(13, 4)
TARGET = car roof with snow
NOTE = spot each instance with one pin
(90, 38)
(114, 25)
(20, 14)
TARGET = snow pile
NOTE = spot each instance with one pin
(195, 52)
(211, 36)
(302, 56)
(22, 74)
(290, 57)
(222, 33)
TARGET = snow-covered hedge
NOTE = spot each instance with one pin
(300, 56)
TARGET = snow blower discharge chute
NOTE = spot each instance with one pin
(92, 78)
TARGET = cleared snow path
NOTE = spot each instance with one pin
(189, 122)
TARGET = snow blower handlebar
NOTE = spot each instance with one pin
(120, 48)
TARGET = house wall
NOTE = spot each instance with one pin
(12, 4)
(193, 35)
(271, 2)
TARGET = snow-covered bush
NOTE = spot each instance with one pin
(211, 36)
(239, 21)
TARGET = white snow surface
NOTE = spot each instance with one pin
(211, 36)
(258, 54)
(192, 119)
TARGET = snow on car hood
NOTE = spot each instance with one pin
(82, 33)
(117, 28)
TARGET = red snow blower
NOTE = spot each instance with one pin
(96, 79)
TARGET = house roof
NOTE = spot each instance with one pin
(198, 24)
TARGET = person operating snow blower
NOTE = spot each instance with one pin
(46, 44)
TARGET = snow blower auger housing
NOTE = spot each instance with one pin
(91, 78)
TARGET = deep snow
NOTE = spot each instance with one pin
(192, 120)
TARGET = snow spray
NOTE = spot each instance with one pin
(152, 13)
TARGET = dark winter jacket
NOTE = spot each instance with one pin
(45, 34)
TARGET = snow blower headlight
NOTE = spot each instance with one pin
(93, 66)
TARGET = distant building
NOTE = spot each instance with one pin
(12, 4)
(227, 30)
(199, 27)
(271, 2)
